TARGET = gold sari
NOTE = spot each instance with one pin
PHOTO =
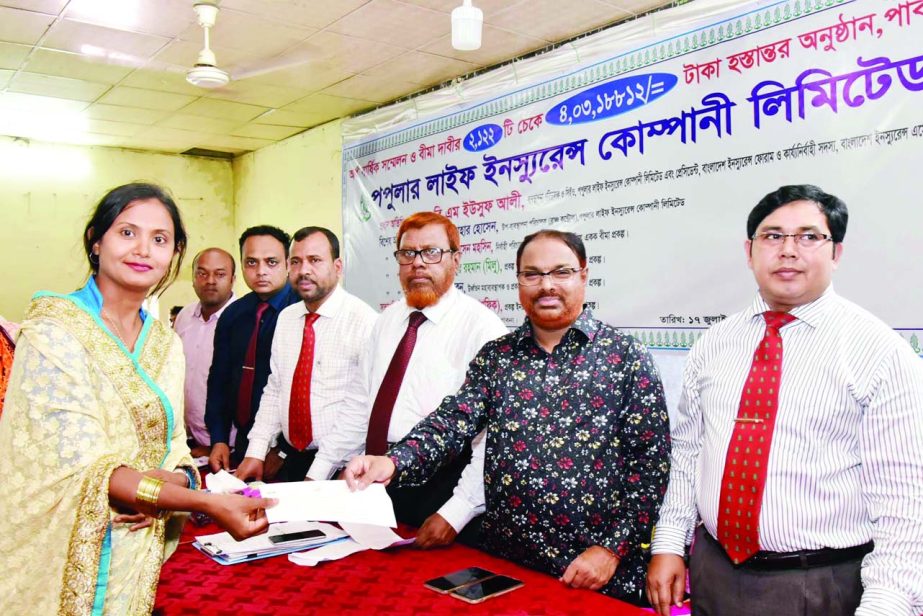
(79, 405)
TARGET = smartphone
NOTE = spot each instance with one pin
(304, 534)
(457, 579)
(485, 589)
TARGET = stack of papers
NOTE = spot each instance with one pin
(224, 549)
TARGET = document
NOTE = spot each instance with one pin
(374, 537)
(224, 549)
(329, 501)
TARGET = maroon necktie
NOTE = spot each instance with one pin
(299, 404)
(745, 465)
(376, 442)
(245, 392)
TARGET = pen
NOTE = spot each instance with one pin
(748, 420)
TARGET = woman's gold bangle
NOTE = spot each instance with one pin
(148, 492)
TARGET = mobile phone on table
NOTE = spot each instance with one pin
(304, 534)
(485, 589)
(456, 579)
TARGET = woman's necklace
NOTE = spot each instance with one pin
(118, 328)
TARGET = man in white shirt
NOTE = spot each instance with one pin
(798, 442)
(389, 397)
(213, 272)
(315, 355)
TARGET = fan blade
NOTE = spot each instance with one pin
(290, 59)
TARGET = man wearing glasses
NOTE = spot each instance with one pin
(798, 442)
(577, 432)
(418, 353)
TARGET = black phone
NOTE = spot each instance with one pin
(456, 579)
(304, 534)
(485, 589)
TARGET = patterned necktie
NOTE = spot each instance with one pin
(748, 452)
(245, 392)
(376, 442)
(299, 404)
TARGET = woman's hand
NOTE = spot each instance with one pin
(241, 516)
(137, 520)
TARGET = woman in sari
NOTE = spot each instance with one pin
(92, 446)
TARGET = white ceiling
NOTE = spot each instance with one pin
(112, 72)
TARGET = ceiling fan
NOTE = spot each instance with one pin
(207, 74)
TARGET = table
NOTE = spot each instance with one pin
(369, 583)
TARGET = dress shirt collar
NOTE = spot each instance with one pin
(331, 307)
(438, 310)
(585, 324)
(810, 313)
(197, 310)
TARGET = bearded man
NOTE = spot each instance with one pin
(418, 353)
(577, 433)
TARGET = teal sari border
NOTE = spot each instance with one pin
(102, 576)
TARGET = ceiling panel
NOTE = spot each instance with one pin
(51, 7)
(75, 66)
(19, 26)
(228, 110)
(113, 72)
(165, 18)
(145, 99)
(117, 113)
(58, 87)
(266, 131)
(395, 23)
(312, 13)
(13, 55)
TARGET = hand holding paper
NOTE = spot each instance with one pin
(363, 471)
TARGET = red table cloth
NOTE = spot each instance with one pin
(370, 582)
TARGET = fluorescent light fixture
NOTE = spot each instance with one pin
(466, 27)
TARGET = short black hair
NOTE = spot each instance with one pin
(275, 232)
(833, 208)
(572, 240)
(114, 203)
(304, 232)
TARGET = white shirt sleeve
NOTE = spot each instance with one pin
(467, 500)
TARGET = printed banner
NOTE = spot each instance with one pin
(656, 154)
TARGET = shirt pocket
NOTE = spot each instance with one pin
(433, 379)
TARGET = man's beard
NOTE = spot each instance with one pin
(422, 296)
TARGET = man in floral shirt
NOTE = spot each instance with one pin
(578, 441)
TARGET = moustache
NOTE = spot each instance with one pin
(305, 277)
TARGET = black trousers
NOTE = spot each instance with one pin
(719, 588)
(296, 463)
(412, 505)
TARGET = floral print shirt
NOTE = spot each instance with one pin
(577, 449)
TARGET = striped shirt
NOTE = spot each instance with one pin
(340, 335)
(846, 462)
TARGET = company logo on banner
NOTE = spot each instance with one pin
(656, 155)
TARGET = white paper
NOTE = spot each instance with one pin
(329, 501)
(331, 551)
(223, 482)
(374, 537)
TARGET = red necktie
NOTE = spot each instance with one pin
(299, 404)
(748, 452)
(376, 442)
(245, 393)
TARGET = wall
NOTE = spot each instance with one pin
(47, 193)
(291, 184)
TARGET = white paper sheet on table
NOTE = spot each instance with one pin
(223, 543)
(374, 537)
(329, 501)
(362, 537)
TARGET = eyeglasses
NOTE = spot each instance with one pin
(808, 240)
(429, 255)
(531, 279)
